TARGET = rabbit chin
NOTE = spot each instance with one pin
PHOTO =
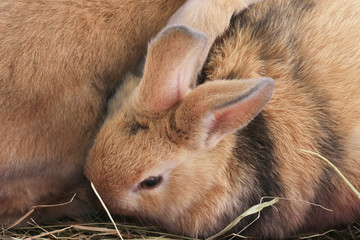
(198, 225)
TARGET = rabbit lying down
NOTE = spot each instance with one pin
(284, 77)
(60, 61)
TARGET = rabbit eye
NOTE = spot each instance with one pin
(151, 182)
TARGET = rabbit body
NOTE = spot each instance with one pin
(192, 160)
(60, 61)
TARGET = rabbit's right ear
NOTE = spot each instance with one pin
(172, 64)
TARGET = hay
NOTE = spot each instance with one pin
(107, 211)
(100, 229)
(337, 171)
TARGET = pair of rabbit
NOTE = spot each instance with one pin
(192, 159)
(61, 60)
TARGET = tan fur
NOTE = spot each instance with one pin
(310, 48)
(334, 59)
(60, 61)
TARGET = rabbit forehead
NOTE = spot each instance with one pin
(135, 148)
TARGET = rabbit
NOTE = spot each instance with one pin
(190, 151)
(60, 62)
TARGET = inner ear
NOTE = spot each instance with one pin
(172, 64)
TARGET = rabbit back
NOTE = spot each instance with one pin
(60, 61)
(310, 48)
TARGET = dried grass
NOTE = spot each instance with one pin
(96, 227)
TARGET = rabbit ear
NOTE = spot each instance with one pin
(172, 63)
(215, 109)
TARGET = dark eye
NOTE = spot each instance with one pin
(150, 182)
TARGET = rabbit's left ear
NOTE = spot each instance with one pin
(217, 108)
(172, 65)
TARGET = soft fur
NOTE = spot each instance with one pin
(60, 61)
(217, 147)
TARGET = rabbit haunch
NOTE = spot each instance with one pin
(60, 61)
(218, 148)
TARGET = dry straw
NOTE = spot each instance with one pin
(253, 210)
(107, 211)
(336, 169)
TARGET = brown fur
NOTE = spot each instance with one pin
(60, 61)
(215, 164)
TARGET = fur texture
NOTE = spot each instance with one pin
(60, 61)
(217, 149)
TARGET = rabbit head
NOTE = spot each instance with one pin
(162, 155)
